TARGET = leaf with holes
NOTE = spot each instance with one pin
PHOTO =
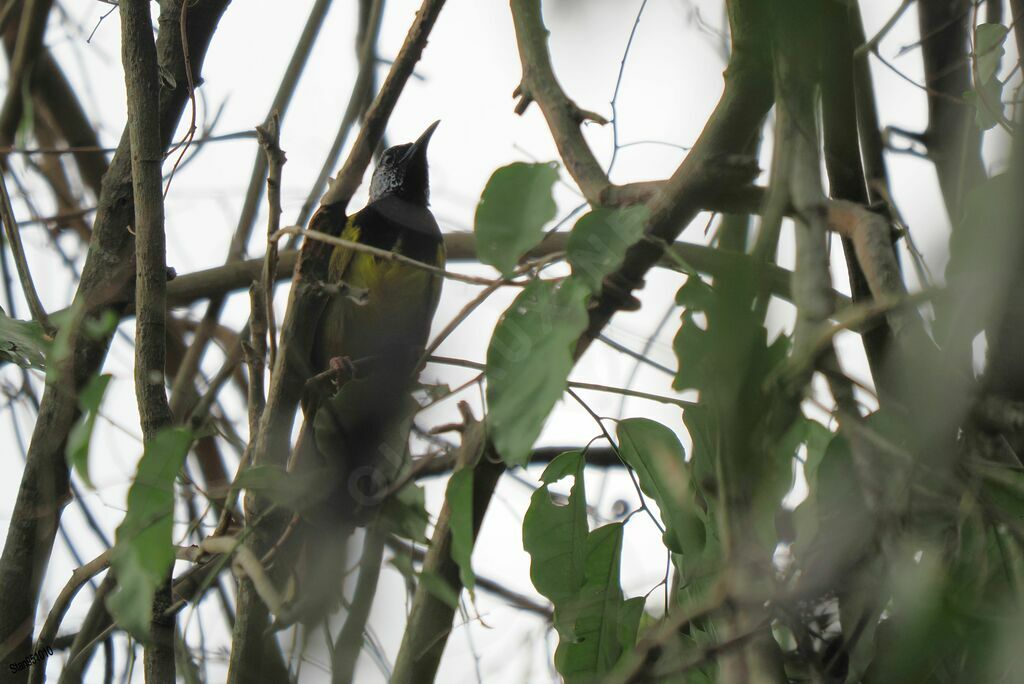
(555, 537)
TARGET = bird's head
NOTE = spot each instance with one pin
(402, 171)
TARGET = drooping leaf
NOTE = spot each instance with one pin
(830, 529)
(555, 537)
(297, 492)
(988, 49)
(514, 206)
(77, 450)
(24, 343)
(860, 606)
(528, 362)
(459, 495)
(598, 642)
(143, 551)
(404, 514)
(630, 613)
(987, 100)
(432, 582)
(599, 240)
(656, 455)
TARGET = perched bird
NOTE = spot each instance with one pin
(383, 336)
(359, 433)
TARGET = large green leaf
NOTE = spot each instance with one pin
(515, 205)
(599, 240)
(459, 496)
(654, 452)
(556, 536)
(24, 343)
(528, 362)
(77, 450)
(601, 609)
(143, 551)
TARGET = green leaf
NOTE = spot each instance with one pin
(459, 496)
(988, 49)
(599, 240)
(830, 529)
(987, 101)
(859, 610)
(515, 205)
(439, 587)
(297, 492)
(404, 514)
(432, 582)
(77, 450)
(656, 455)
(528, 362)
(598, 642)
(555, 537)
(24, 343)
(143, 552)
(629, 621)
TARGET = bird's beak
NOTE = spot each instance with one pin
(419, 148)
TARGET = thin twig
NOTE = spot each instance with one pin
(28, 287)
(390, 256)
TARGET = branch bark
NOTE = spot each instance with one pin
(271, 444)
(142, 83)
(107, 274)
(430, 620)
(952, 139)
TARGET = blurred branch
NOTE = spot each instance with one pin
(271, 444)
(598, 457)
(28, 287)
(105, 278)
(513, 598)
(183, 379)
(349, 643)
(377, 115)
(190, 287)
(358, 101)
(848, 113)
(31, 28)
(430, 619)
(952, 140)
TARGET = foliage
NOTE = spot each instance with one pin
(515, 205)
(143, 553)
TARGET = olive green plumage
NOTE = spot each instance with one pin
(356, 439)
(385, 335)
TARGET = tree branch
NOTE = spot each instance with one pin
(107, 274)
(142, 82)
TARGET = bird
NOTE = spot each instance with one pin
(357, 435)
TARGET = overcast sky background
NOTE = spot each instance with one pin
(671, 82)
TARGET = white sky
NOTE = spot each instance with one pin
(469, 70)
